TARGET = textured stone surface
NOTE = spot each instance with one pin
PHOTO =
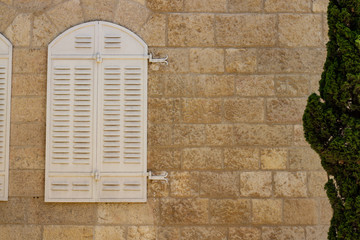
(219, 134)
(273, 158)
(20, 232)
(241, 158)
(189, 135)
(178, 60)
(26, 5)
(304, 159)
(153, 31)
(198, 110)
(161, 110)
(66, 14)
(212, 85)
(28, 109)
(284, 6)
(109, 233)
(320, 5)
(43, 31)
(267, 211)
(27, 135)
(165, 233)
(164, 159)
(240, 60)
(26, 183)
(248, 233)
(244, 110)
(165, 5)
(19, 30)
(207, 60)
(141, 233)
(255, 85)
(205, 5)
(290, 184)
(227, 211)
(316, 183)
(300, 211)
(225, 184)
(201, 158)
(28, 84)
(159, 135)
(255, 184)
(14, 211)
(94, 10)
(326, 211)
(299, 138)
(132, 21)
(292, 85)
(7, 15)
(68, 232)
(184, 184)
(245, 5)
(285, 110)
(27, 157)
(209, 233)
(283, 233)
(317, 233)
(29, 60)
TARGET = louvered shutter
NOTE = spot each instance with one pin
(5, 96)
(96, 119)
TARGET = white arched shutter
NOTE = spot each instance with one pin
(5, 96)
(96, 119)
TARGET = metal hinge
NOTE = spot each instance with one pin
(158, 60)
(159, 177)
(97, 175)
(98, 58)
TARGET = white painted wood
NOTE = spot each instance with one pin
(5, 97)
(96, 115)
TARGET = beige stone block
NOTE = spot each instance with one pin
(184, 184)
(326, 211)
(27, 157)
(109, 233)
(219, 185)
(164, 159)
(300, 30)
(246, 30)
(241, 233)
(161, 110)
(290, 184)
(20, 232)
(26, 183)
(96, 10)
(179, 85)
(273, 158)
(201, 110)
(314, 84)
(165, 233)
(263, 135)
(66, 14)
(191, 30)
(135, 213)
(52, 232)
(13, 211)
(156, 84)
(43, 31)
(28, 109)
(143, 2)
(209, 233)
(8, 2)
(178, 60)
(281, 60)
(40, 212)
(28, 84)
(247, 110)
(29, 60)
(255, 85)
(283, 233)
(285, 110)
(320, 5)
(241, 158)
(213, 85)
(205, 5)
(229, 211)
(189, 134)
(207, 60)
(34, 5)
(267, 211)
(284, 6)
(317, 232)
(245, 5)
(135, 20)
(202, 158)
(141, 233)
(292, 85)
(219, 134)
(165, 5)
(299, 138)
(157, 189)
(19, 30)
(256, 184)
(154, 30)
(7, 15)
(304, 159)
(300, 211)
(316, 183)
(240, 60)
(184, 211)
(159, 135)
(27, 134)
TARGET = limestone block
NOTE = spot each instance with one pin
(206, 60)
(246, 30)
(189, 134)
(34, 5)
(14, 211)
(27, 134)
(219, 185)
(43, 31)
(66, 14)
(28, 109)
(273, 158)
(28, 84)
(27, 157)
(141, 233)
(240, 60)
(241, 158)
(326, 211)
(184, 184)
(284, 6)
(29, 60)
(159, 135)
(201, 158)
(98, 10)
(213, 85)
(285, 110)
(157, 189)
(300, 211)
(166, 5)
(161, 110)
(304, 159)
(166, 233)
(300, 30)
(299, 138)
(255, 85)
(178, 60)
(292, 85)
(320, 5)
(20, 232)
(131, 15)
(163, 159)
(153, 32)
(267, 211)
(219, 134)
(245, 5)
(205, 5)
(316, 184)
(290, 184)
(317, 232)
(201, 110)
(229, 211)
(191, 30)
(184, 211)
(248, 233)
(179, 85)
(19, 30)
(26, 183)
(209, 233)
(256, 184)
(109, 233)
(314, 83)
(283, 233)
(8, 2)
(239, 110)
(7, 15)
(156, 84)
(52, 232)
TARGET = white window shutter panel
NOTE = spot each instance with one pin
(5, 97)
(96, 115)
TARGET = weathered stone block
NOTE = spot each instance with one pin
(245, 5)
(290, 184)
(244, 110)
(26, 183)
(205, 5)
(317, 232)
(28, 109)
(166, 5)
(285, 110)
(299, 138)
(273, 158)
(212, 85)
(161, 110)
(228, 211)
(304, 159)
(7, 15)
(201, 110)
(159, 135)
(14, 211)
(109, 233)
(165, 233)
(43, 31)
(66, 14)
(326, 211)
(255, 184)
(215, 185)
(240, 60)
(141, 233)
(320, 5)
(156, 84)
(241, 158)
(189, 134)
(179, 85)
(201, 158)
(209, 233)
(19, 30)
(241, 233)
(284, 6)
(134, 21)
(255, 85)
(27, 157)
(27, 134)
(20, 232)
(28, 84)
(219, 134)
(178, 60)
(34, 5)
(300, 211)
(206, 60)
(164, 159)
(153, 32)
(267, 211)
(283, 233)
(316, 184)
(95, 10)
(292, 85)
(157, 189)
(52, 232)
(184, 184)
(29, 60)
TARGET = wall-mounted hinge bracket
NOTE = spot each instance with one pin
(97, 175)
(158, 60)
(159, 177)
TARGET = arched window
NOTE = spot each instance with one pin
(96, 115)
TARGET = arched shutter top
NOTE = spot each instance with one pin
(116, 40)
(5, 46)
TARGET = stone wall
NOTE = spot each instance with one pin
(224, 120)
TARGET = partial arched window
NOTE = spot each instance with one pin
(96, 115)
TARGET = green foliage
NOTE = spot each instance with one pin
(332, 120)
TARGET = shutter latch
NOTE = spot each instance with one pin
(97, 175)
(160, 177)
(98, 58)
(158, 60)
